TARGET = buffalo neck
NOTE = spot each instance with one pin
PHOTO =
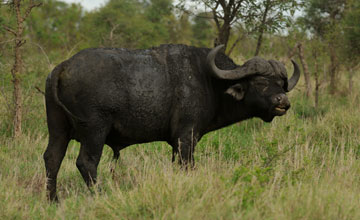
(228, 110)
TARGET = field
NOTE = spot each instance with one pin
(303, 165)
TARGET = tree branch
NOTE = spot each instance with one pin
(235, 10)
(7, 41)
(293, 51)
(28, 10)
(39, 90)
(20, 43)
(222, 3)
(216, 19)
(9, 29)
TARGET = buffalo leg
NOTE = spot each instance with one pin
(185, 146)
(53, 157)
(90, 154)
(59, 138)
(174, 152)
(116, 156)
(116, 151)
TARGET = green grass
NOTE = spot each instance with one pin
(303, 165)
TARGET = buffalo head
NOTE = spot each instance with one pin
(259, 84)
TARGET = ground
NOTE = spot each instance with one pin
(303, 165)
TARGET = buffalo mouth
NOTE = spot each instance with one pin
(280, 110)
(277, 110)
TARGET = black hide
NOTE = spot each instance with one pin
(121, 97)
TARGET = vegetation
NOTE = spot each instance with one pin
(304, 165)
(17, 33)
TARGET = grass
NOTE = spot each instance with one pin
(303, 165)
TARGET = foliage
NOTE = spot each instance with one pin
(56, 25)
(257, 17)
(120, 23)
(351, 28)
(303, 165)
(277, 16)
(324, 18)
(321, 15)
(203, 33)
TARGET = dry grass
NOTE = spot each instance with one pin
(301, 166)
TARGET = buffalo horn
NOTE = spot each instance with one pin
(223, 74)
(295, 77)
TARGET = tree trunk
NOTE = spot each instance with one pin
(317, 86)
(17, 67)
(262, 27)
(223, 20)
(15, 71)
(292, 52)
(317, 82)
(259, 42)
(223, 28)
(17, 108)
(223, 35)
(306, 70)
(333, 70)
(351, 82)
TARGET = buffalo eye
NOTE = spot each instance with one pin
(280, 83)
(283, 84)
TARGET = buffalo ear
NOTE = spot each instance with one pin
(236, 91)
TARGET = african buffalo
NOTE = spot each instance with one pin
(172, 93)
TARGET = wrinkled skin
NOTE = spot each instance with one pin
(121, 97)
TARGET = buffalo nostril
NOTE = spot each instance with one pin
(279, 99)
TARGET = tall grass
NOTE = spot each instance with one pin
(303, 165)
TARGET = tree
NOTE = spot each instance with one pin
(273, 17)
(305, 69)
(157, 10)
(115, 24)
(159, 17)
(226, 13)
(202, 30)
(130, 23)
(351, 46)
(318, 54)
(183, 31)
(21, 13)
(322, 18)
(56, 25)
